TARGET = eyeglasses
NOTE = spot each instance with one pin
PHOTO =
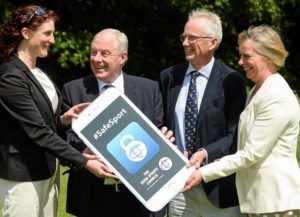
(37, 12)
(191, 38)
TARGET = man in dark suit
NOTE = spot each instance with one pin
(87, 195)
(220, 97)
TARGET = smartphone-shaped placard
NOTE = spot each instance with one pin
(151, 167)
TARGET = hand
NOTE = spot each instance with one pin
(168, 134)
(186, 154)
(99, 169)
(194, 180)
(197, 158)
(67, 118)
(87, 151)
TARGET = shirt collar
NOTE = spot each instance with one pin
(118, 82)
(204, 71)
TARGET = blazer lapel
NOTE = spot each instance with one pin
(29, 74)
(59, 100)
(129, 88)
(91, 88)
(209, 93)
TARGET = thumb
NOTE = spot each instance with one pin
(91, 156)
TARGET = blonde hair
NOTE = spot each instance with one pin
(213, 26)
(267, 43)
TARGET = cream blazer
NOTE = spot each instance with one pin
(267, 171)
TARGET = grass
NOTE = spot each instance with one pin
(62, 196)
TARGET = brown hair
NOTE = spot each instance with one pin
(10, 31)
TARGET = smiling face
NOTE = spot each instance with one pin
(256, 66)
(198, 44)
(105, 60)
(39, 41)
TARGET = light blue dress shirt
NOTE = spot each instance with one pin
(181, 101)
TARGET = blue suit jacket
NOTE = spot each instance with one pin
(223, 101)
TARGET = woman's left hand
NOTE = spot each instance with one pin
(67, 118)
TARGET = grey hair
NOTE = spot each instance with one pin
(121, 39)
(213, 26)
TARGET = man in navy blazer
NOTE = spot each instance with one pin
(88, 195)
(221, 95)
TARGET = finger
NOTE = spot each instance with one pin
(169, 134)
(82, 106)
(186, 154)
(193, 160)
(77, 109)
(106, 168)
(91, 156)
(108, 175)
(187, 185)
(164, 129)
(172, 139)
(186, 188)
(197, 164)
(74, 116)
(88, 151)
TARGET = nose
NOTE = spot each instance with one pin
(240, 62)
(97, 58)
(185, 42)
(52, 39)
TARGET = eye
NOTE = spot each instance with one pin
(93, 53)
(105, 53)
(48, 33)
(247, 57)
(192, 38)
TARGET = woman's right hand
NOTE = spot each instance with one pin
(99, 169)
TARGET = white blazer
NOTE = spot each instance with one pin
(267, 171)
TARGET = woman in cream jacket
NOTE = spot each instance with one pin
(267, 171)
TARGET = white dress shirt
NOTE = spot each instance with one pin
(118, 83)
(47, 85)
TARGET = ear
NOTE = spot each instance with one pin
(25, 33)
(213, 43)
(123, 58)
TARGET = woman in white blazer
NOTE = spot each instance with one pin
(267, 171)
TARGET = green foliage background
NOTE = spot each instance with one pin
(153, 27)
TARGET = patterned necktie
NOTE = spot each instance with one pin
(105, 87)
(191, 114)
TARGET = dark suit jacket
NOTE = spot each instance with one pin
(223, 101)
(28, 139)
(84, 190)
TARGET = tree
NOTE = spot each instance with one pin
(153, 27)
